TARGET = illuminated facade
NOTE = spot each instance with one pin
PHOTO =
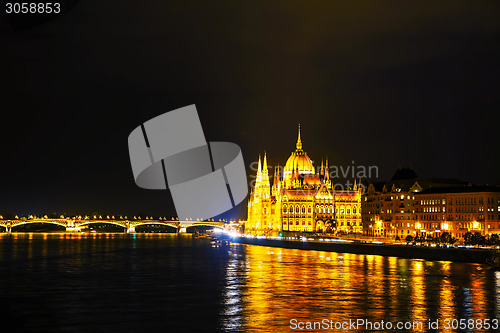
(301, 200)
(409, 205)
(458, 210)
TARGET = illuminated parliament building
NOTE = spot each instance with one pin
(301, 200)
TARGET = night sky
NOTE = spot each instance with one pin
(377, 82)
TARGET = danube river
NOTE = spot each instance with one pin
(171, 283)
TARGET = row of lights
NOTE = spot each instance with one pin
(86, 217)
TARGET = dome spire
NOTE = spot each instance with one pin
(299, 142)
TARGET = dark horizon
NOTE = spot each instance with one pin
(379, 84)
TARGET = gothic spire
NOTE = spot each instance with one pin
(264, 168)
(299, 142)
(327, 172)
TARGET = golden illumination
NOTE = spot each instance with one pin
(301, 200)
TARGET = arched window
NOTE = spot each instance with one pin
(297, 209)
(310, 209)
(303, 209)
(284, 208)
(331, 208)
(354, 210)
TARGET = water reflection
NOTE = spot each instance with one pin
(145, 282)
(285, 284)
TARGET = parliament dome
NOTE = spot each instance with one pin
(298, 162)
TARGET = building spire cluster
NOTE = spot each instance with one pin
(301, 199)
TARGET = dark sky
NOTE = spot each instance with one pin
(377, 82)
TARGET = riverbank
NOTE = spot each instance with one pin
(470, 255)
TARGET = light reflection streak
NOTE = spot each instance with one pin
(308, 286)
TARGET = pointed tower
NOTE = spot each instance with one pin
(265, 171)
(327, 174)
(280, 181)
(259, 174)
(321, 171)
(266, 190)
(275, 178)
(299, 142)
(276, 182)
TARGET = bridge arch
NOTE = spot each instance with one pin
(118, 223)
(17, 223)
(168, 224)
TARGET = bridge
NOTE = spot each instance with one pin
(76, 224)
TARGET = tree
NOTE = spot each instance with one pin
(419, 239)
(409, 239)
(474, 238)
(478, 239)
(446, 238)
(494, 240)
(437, 240)
(468, 238)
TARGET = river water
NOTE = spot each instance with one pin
(171, 283)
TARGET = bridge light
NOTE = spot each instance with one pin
(95, 217)
(1, 217)
(17, 217)
(107, 216)
(113, 217)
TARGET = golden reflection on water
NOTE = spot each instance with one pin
(264, 288)
(285, 284)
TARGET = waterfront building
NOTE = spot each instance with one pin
(301, 199)
(410, 205)
(458, 210)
